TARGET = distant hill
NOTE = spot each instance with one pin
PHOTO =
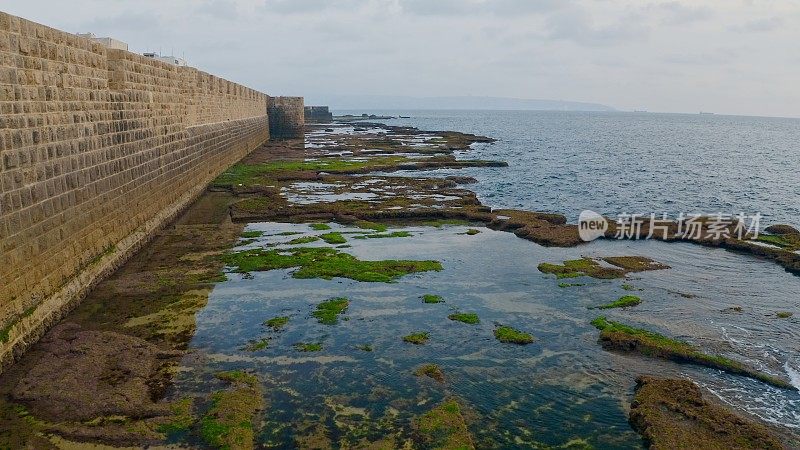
(340, 102)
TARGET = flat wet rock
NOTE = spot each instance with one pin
(672, 415)
(82, 375)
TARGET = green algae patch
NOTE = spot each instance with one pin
(628, 287)
(333, 238)
(303, 240)
(254, 174)
(468, 318)
(277, 323)
(672, 414)
(320, 226)
(431, 371)
(430, 298)
(567, 285)
(251, 234)
(509, 335)
(307, 347)
(784, 315)
(5, 332)
(417, 338)
(182, 418)
(472, 232)
(778, 241)
(617, 336)
(289, 233)
(328, 312)
(443, 427)
(364, 347)
(394, 234)
(626, 301)
(325, 263)
(228, 423)
(367, 225)
(581, 267)
(560, 272)
(257, 345)
(439, 223)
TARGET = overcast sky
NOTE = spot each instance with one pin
(724, 56)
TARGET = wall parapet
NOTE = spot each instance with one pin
(99, 148)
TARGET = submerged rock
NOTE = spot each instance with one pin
(229, 421)
(443, 427)
(431, 371)
(672, 414)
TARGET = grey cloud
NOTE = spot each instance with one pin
(127, 21)
(221, 9)
(305, 6)
(675, 13)
(577, 26)
(759, 25)
(495, 7)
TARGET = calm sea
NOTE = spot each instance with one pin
(614, 162)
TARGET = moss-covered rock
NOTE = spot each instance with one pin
(635, 263)
(468, 318)
(511, 335)
(277, 323)
(617, 336)
(303, 240)
(625, 301)
(306, 347)
(333, 238)
(430, 298)
(417, 338)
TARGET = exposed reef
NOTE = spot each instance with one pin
(673, 415)
(592, 268)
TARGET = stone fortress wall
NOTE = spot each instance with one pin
(99, 148)
(286, 117)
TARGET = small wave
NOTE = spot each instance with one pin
(794, 375)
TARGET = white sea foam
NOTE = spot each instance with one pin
(793, 373)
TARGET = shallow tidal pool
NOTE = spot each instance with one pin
(561, 391)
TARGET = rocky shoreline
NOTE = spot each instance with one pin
(101, 375)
